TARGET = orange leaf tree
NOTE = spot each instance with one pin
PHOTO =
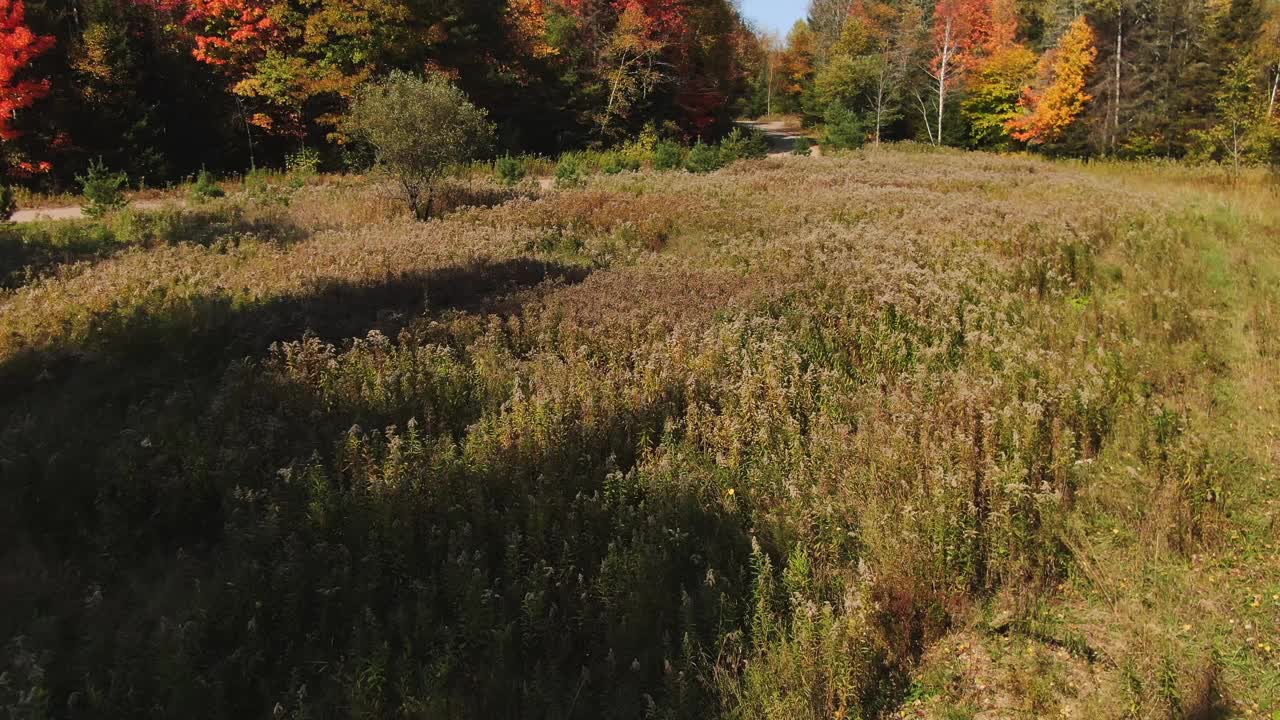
(287, 60)
(1053, 108)
(999, 77)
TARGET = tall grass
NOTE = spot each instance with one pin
(664, 446)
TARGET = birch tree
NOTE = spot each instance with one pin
(959, 28)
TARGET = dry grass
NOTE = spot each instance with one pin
(668, 445)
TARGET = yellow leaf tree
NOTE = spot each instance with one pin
(1049, 110)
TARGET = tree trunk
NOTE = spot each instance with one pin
(924, 112)
(942, 77)
(1275, 90)
(1115, 108)
(768, 104)
(880, 103)
(248, 131)
(613, 93)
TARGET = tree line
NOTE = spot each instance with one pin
(163, 88)
(1195, 79)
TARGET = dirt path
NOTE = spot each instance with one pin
(782, 139)
(75, 213)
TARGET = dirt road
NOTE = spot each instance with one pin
(782, 138)
(75, 213)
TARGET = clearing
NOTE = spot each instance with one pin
(944, 435)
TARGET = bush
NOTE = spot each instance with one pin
(612, 163)
(419, 129)
(103, 190)
(8, 203)
(639, 152)
(305, 162)
(510, 170)
(302, 166)
(262, 189)
(569, 170)
(703, 159)
(803, 147)
(205, 188)
(743, 145)
(668, 155)
(845, 129)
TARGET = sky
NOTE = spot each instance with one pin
(778, 15)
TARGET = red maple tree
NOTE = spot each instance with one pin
(18, 47)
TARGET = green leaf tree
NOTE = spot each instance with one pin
(419, 128)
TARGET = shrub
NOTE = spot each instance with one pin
(845, 129)
(302, 166)
(419, 128)
(612, 163)
(803, 147)
(305, 161)
(205, 188)
(261, 188)
(511, 170)
(703, 159)
(640, 151)
(743, 145)
(8, 203)
(103, 189)
(668, 155)
(569, 170)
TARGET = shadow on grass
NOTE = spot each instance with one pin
(168, 359)
(453, 196)
(31, 250)
(187, 535)
(189, 337)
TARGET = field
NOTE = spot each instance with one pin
(898, 433)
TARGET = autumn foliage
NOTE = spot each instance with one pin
(1062, 96)
(18, 47)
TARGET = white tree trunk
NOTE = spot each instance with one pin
(928, 121)
(768, 103)
(1275, 90)
(944, 61)
(880, 91)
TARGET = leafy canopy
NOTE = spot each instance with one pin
(419, 127)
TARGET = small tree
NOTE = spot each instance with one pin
(419, 128)
(103, 190)
(703, 159)
(668, 155)
(510, 170)
(205, 188)
(8, 204)
(1238, 112)
(846, 130)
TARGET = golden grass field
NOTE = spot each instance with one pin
(892, 434)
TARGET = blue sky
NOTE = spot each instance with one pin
(777, 15)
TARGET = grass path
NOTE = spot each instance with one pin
(1149, 620)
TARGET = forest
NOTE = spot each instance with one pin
(116, 80)
(1185, 79)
